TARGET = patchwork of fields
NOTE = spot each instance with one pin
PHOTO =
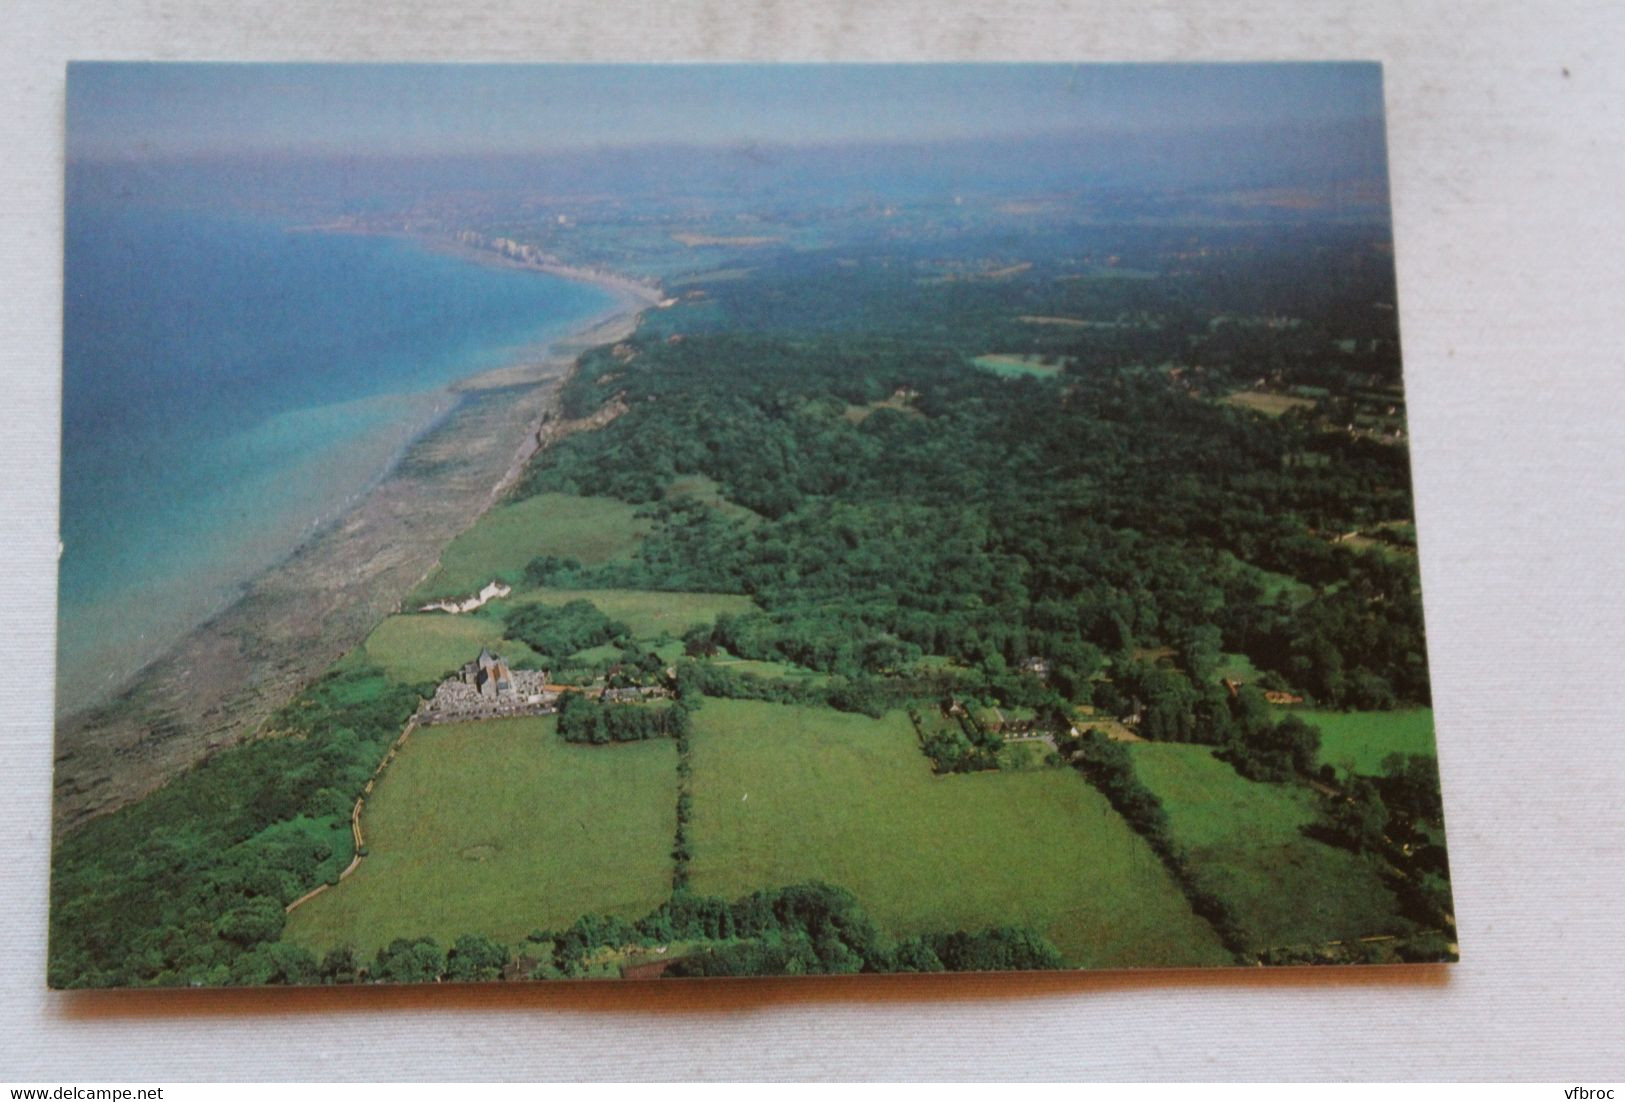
(419, 647)
(785, 793)
(500, 828)
(1246, 843)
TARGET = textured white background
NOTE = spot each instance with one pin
(1506, 180)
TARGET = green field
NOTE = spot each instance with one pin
(1014, 366)
(1246, 844)
(427, 646)
(498, 828)
(648, 613)
(506, 538)
(1265, 402)
(785, 793)
(1272, 583)
(776, 671)
(593, 656)
(705, 490)
(1019, 756)
(1365, 738)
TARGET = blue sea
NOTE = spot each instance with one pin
(229, 386)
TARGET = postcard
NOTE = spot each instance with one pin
(529, 522)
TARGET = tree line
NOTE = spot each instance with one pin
(1110, 768)
(189, 885)
(800, 929)
(583, 719)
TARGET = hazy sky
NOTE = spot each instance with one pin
(123, 109)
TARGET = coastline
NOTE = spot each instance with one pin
(460, 244)
(224, 678)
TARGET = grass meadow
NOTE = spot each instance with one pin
(1246, 844)
(1265, 402)
(507, 537)
(1363, 739)
(648, 613)
(706, 491)
(1016, 365)
(785, 793)
(427, 646)
(763, 668)
(498, 828)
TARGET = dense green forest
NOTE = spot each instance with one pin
(1075, 518)
(189, 885)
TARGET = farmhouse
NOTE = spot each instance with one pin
(1275, 696)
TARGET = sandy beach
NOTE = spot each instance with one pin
(462, 245)
(225, 678)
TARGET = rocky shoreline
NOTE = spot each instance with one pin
(225, 678)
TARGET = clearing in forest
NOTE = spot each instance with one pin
(1015, 365)
(857, 415)
(785, 793)
(1363, 739)
(714, 275)
(768, 670)
(499, 828)
(649, 613)
(1245, 843)
(1265, 402)
(706, 491)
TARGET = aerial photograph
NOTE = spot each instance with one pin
(541, 522)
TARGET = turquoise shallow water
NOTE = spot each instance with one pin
(229, 386)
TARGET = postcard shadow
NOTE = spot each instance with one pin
(720, 996)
